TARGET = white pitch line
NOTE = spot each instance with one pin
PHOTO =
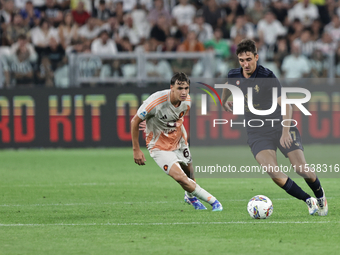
(137, 202)
(169, 223)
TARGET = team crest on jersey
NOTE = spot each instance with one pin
(181, 115)
(237, 83)
(165, 167)
(257, 88)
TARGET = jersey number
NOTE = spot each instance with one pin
(186, 153)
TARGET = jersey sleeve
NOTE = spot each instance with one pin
(148, 108)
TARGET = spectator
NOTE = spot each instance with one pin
(90, 30)
(104, 45)
(203, 30)
(158, 69)
(30, 15)
(220, 46)
(124, 45)
(20, 69)
(317, 30)
(61, 75)
(182, 64)
(326, 44)
(191, 44)
(157, 11)
(80, 15)
(128, 30)
(281, 50)
(52, 13)
(305, 44)
(16, 28)
(333, 28)
(140, 22)
(269, 29)
(243, 28)
(55, 53)
(7, 11)
(119, 13)
(304, 11)
(159, 32)
(42, 34)
(295, 65)
(233, 10)
(101, 13)
(68, 30)
(170, 44)
(319, 65)
(212, 13)
(295, 30)
(256, 13)
(45, 74)
(280, 11)
(183, 13)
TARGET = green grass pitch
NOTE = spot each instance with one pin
(97, 201)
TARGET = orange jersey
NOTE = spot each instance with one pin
(164, 121)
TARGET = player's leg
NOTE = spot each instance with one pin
(189, 171)
(192, 187)
(297, 159)
(267, 158)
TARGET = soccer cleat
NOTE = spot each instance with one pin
(312, 204)
(217, 206)
(196, 203)
(186, 199)
(323, 206)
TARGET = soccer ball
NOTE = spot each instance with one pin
(260, 207)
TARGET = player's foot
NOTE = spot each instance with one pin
(323, 206)
(217, 206)
(196, 203)
(186, 199)
(312, 204)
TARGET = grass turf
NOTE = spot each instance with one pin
(97, 201)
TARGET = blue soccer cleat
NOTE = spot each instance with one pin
(217, 206)
(195, 203)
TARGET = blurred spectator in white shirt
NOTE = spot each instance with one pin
(270, 28)
(295, 65)
(326, 44)
(304, 11)
(42, 34)
(128, 30)
(104, 45)
(184, 13)
(90, 30)
(333, 28)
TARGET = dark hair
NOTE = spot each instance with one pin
(181, 77)
(245, 46)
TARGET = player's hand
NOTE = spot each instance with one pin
(228, 106)
(139, 157)
(142, 125)
(286, 140)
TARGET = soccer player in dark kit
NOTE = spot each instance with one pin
(265, 140)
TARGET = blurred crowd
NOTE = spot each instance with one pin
(294, 38)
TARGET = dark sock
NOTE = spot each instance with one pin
(316, 187)
(294, 190)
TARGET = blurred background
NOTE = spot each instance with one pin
(86, 66)
(90, 43)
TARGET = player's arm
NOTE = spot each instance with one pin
(138, 155)
(286, 139)
(226, 93)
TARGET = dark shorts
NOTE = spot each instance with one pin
(271, 141)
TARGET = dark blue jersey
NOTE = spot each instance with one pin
(262, 82)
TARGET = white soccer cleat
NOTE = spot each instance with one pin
(323, 206)
(312, 204)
